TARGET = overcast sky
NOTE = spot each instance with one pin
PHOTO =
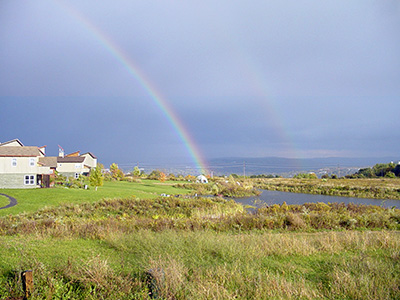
(246, 78)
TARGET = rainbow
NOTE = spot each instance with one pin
(259, 84)
(152, 91)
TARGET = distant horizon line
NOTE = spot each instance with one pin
(274, 157)
(254, 163)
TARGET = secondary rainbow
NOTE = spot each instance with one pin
(152, 91)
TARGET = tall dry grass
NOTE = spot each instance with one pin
(208, 265)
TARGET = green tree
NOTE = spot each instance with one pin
(136, 171)
(116, 172)
(390, 174)
(366, 172)
(396, 170)
(154, 175)
(96, 176)
(380, 169)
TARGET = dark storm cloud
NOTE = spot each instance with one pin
(257, 78)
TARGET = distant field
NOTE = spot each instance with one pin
(30, 200)
(377, 188)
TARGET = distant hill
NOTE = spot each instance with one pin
(289, 166)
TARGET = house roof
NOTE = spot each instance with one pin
(72, 159)
(50, 161)
(76, 153)
(89, 153)
(12, 141)
(16, 151)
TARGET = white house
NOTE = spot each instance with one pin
(19, 166)
(28, 167)
(74, 164)
(90, 161)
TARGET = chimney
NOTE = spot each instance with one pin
(60, 151)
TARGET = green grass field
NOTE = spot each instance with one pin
(30, 200)
(3, 201)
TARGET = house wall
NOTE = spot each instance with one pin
(16, 181)
(70, 169)
(23, 165)
(89, 161)
(45, 171)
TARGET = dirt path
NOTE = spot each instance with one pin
(13, 201)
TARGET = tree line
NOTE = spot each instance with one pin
(390, 170)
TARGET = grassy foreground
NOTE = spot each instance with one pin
(137, 245)
(206, 265)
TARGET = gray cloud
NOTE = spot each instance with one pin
(260, 78)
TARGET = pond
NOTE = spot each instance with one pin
(276, 197)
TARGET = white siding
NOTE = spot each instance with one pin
(23, 165)
(89, 160)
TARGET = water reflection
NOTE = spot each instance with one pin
(276, 197)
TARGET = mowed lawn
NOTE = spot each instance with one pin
(30, 200)
(3, 200)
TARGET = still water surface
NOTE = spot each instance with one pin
(275, 197)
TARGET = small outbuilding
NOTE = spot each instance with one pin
(201, 179)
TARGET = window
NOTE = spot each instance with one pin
(29, 179)
(77, 166)
(14, 162)
(32, 162)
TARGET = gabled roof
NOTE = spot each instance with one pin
(12, 141)
(89, 153)
(72, 159)
(16, 151)
(76, 153)
(50, 161)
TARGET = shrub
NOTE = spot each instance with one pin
(294, 221)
